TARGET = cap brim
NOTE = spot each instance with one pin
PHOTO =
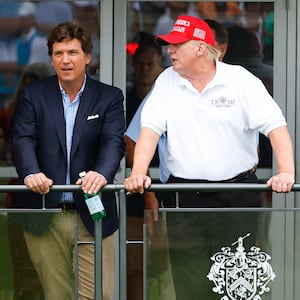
(170, 38)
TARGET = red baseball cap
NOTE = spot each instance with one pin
(187, 28)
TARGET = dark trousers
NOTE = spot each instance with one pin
(195, 236)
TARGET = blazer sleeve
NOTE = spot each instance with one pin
(112, 136)
(24, 137)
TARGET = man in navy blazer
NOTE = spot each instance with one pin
(64, 125)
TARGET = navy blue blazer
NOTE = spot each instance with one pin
(39, 145)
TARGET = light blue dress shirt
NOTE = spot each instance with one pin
(70, 111)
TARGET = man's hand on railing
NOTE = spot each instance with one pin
(38, 183)
(92, 183)
(282, 182)
(136, 183)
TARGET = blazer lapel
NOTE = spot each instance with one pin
(54, 98)
(87, 100)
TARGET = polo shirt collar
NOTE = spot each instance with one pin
(219, 79)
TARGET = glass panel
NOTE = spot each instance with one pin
(215, 254)
(158, 18)
(18, 277)
(6, 274)
(33, 241)
(24, 26)
(249, 42)
(159, 279)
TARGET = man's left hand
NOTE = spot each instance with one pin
(282, 182)
(92, 182)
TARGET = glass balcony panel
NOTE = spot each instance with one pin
(18, 277)
(229, 253)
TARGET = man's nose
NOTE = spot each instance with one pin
(66, 58)
(170, 49)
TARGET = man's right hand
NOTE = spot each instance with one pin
(38, 183)
(136, 183)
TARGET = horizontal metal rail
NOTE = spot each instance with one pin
(160, 187)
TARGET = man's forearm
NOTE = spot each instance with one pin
(283, 149)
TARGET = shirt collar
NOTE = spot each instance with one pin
(219, 79)
(80, 91)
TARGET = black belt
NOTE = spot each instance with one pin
(67, 206)
(238, 177)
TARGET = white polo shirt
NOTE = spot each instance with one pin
(213, 134)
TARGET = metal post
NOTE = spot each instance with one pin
(145, 244)
(123, 247)
(98, 259)
(76, 261)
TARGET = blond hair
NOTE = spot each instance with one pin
(212, 52)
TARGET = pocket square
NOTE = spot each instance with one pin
(96, 116)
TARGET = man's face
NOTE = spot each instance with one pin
(183, 56)
(69, 61)
(147, 66)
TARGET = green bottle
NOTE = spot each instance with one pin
(94, 203)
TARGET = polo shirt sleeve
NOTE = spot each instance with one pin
(263, 113)
(153, 114)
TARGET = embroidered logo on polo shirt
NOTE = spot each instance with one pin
(222, 102)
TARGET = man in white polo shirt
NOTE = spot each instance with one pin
(210, 113)
(134, 128)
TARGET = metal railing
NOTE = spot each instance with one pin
(120, 190)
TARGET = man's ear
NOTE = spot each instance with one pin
(88, 58)
(201, 48)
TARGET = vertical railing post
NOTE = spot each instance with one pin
(43, 201)
(98, 260)
(76, 243)
(98, 289)
(123, 246)
(145, 254)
